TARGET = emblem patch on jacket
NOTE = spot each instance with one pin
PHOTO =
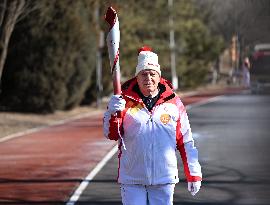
(165, 118)
(134, 109)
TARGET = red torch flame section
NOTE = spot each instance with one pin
(110, 16)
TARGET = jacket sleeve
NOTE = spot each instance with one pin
(185, 145)
(112, 126)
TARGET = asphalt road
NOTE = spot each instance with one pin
(232, 135)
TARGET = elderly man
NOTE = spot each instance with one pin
(153, 124)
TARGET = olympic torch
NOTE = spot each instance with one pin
(113, 40)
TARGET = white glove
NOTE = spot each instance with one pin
(194, 187)
(116, 103)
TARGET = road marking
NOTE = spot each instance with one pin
(78, 192)
(203, 102)
(18, 134)
(76, 195)
(33, 130)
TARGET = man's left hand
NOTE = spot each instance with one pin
(194, 187)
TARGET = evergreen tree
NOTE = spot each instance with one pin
(51, 58)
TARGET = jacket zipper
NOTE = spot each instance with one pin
(152, 152)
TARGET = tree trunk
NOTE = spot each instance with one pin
(10, 11)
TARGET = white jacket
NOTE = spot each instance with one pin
(151, 139)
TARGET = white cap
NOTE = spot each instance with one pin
(147, 60)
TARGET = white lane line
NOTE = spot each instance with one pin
(78, 192)
(203, 102)
(76, 195)
(19, 134)
(33, 130)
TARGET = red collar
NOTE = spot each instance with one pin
(165, 85)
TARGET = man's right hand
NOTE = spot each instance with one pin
(116, 103)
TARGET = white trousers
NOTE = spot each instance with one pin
(147, 195)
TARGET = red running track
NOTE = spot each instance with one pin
(45, 167)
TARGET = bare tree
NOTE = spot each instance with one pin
(247, 18)
(10, 10)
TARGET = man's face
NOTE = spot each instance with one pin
(148, 81)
